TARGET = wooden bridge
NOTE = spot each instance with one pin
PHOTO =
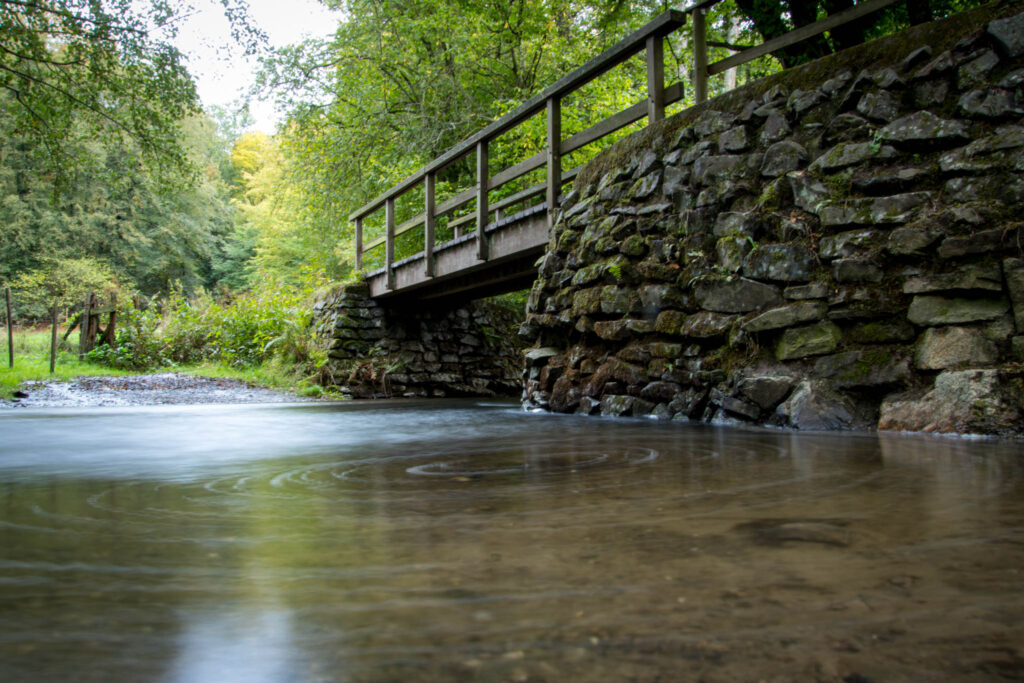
(493, 250)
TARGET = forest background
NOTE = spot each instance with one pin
(113, 177)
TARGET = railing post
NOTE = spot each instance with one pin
(700, 57)
(359, 244)
(428, 224)
(554, 130)
(389, 245)
(655, 79)
(482, 180)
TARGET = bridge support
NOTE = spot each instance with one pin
(453, 349)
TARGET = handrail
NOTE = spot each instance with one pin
(649, 38)
(661, 26)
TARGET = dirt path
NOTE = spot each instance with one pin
(143, 390)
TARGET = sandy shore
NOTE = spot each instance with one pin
(141, 390)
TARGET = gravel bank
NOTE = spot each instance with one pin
(142, 390)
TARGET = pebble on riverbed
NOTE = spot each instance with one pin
(139, 390)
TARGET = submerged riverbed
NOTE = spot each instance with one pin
(458, 540)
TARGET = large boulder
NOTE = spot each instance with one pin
(962, 401)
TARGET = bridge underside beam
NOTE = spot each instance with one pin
(515, 245)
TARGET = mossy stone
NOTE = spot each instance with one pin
(812, 340)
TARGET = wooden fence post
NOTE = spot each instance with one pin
(84, 327)
(389, 246)
(428, 224)
(700, 57)
(10, 330)
(359, 244)
(53, 338)
(554, 132)
(483, 179)
(655, 79)
(110, 332)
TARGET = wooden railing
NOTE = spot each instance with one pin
(648, 39)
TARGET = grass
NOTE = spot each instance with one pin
(32, 363)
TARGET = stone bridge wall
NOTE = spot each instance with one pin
(378, 351)
(838, 246)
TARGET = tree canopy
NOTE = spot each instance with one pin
(75, 70)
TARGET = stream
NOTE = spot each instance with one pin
(457, 540)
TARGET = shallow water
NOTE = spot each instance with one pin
(448, 540)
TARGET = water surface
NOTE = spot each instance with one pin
(448, 540)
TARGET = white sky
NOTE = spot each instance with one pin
(222, 74)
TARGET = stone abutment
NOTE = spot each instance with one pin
(839, 246)
(379, 351)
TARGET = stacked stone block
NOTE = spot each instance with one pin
(839, 246)
(378, 351)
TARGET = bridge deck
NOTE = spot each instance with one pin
(516, 242)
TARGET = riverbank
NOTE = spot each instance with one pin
(168, 388)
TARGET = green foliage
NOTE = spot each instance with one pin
(270, 323)
(138, 344)
(73, 71)
(61, 281)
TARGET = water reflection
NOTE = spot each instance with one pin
(453, 541)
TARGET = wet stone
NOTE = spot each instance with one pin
(880, 106)
(847, 128)
(852, 270)
(802, 100)
(733, 140)
(982, 242)
(668, 322)
(660, 391)
(935, 310)
(735, 406)
(814, 406)
(850, 154)
(786, 316)
(766, 390)
(706, 324)
(984, 278)
(930, 93)
(776, 127)
(812, 340)
(916, 57)
(816, 290)
(731, 223)
(645, 186)
(922, 129)
(783, 157)
(834, 85)
(708, 169)
(731, 252)
(780, 262)
(878, 366)
(947, 347)
(939, 65)
(1008, 34)
(735, 296)
(849, 243)
(888, 182)
(965, 401)
(988, 104)
(975, 71)
(883, 331)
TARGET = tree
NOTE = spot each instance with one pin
(75, 70)
(772, 18)
(112, 211)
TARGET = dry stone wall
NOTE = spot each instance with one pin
(837, 247)
(380, 352)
